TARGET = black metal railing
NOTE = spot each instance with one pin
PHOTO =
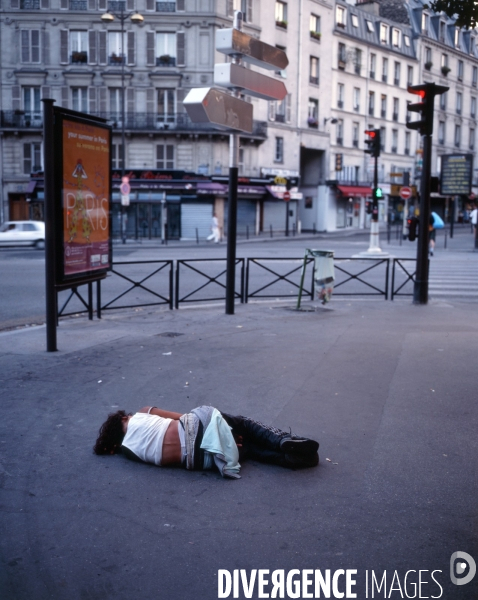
(281, 285)
(166, 6)
(78, 5)
(357, 281)
(216, 279)
(403, 279)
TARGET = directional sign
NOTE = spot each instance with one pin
(405, 192)
(230, 75)
(233, 42)
(208, 105)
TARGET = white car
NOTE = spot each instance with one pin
(23, 233)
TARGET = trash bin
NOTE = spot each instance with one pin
(324, 275)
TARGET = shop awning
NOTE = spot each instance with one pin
(211, 188)
(354, 191)
(251, 190)
(31, 187)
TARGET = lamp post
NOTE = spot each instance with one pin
(136, 18)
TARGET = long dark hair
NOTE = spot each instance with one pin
(111, 434)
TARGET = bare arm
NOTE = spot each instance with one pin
(159, 412)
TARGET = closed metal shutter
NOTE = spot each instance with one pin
(246, 217)
(195, 215)
(275, 215)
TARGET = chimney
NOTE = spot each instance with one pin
(370, 6)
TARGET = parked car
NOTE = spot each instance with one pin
(23, 233)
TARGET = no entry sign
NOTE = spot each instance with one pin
(286, 196)
(405, 192)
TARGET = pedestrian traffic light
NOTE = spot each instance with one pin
(373, 142)
(412, 223)
(378, 193)
(368, 207)
(427, 93)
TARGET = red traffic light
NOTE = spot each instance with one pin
(371, 132)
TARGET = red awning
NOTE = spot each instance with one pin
(354, 191)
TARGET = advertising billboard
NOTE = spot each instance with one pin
(456, 174)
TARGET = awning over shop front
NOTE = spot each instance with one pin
(354, 191)
(31, 187)
(211, 188)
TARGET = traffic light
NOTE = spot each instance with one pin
(373, 142)
(427, 93)
(378, 193)
(338, 162)
(412, 223)
(368, 207)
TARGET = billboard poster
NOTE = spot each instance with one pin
(85, 197)
(456, 174)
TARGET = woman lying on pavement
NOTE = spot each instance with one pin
(202, 439)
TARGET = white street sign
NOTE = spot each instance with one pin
(233, 42)
(230, 75)
(208, 105)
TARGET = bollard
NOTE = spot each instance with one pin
(389, 230)
(197, 236)
(446, 237)
(271, 230)
(247, 232)
(293, 229)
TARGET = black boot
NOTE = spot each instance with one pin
(294, 444)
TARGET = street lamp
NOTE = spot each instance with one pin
(333, 120)
(136, 18)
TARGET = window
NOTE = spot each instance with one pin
(315, 27)
(457, 37)
(281, 14)
(442, 32)
(407, 142)
(281, 109)
(473, 107)
(340, 95)
(314, 70)
(394, 140)
(424, 23)
(373, 65)
(383, 106)
(79, 99)
(441, 132)
(340, 16)
(356, 99)
(395, 109)
(165, 156)
(116, 53)
(444, 60)
(355, 135)
(340, 132)
(32, 104)
(460, 70)
(355, 21)
(279, 150)
(385, 70)
(371, 103)
(382, 138)
(457, 135)
(474, 77)
(396, 37)
(115, 101)
(370, 26)
(30, 45)
(396, 73)
(443, 101)
(341, 57)
(313, 113)
(459, 97)
(406, 39)
(165, 106)
(471, 141)
(32, 157)
(383, 33)
(117, 156)
(166, 49)
(282, 72)
(409, 75)
(358, 61)
(79, 47)
(428, 58)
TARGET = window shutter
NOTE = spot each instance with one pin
(92, 58)
(130, 57)
(16, 98)
(102, 98)
(288, 108)
(64, 4)
(25, 35)
(101, 4)
(102, 48)
(92, 100)
(64, 46)
(150, 50)
(272, 111)
(91, 4)
(46, 47)
(45, 3)
(180, 95)
(46, 91)
(150, 96)
(64, 96)
(15, 4)
(129, 4)
(150, 4)
(180, 49)
(130, 100)
(180, 5)
(229, 8)
(35, 39)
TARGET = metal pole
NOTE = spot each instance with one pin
(287, 219)
(420, 291)
(123, 136)
(452, 216)
(231, 225)
(50, 250)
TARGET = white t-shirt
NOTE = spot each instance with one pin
(145, 436)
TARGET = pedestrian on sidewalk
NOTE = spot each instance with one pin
(474, 218)
(201, 440)
(215, 235)
(431, 235)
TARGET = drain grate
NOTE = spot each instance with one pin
(169, 334)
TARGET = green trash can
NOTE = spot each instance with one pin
(324, 275)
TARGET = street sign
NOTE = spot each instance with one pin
(230, 75)
(286, 196)
(233, 42)
(405, 192)
(125, 187)
(209, 105)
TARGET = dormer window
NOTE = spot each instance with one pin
(383, 33)
(370, 27)
(425, 23)
(406, 41)
(442, 31)
(355, 22)
(457, 37)
(396, 37)
(340, 16)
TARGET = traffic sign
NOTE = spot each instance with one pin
(209, 105)
(405, 192)
(230, 75)
(125, 187)
(286, 196)
(233, 42)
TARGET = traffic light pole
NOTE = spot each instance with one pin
(374, 231)
(420, 291)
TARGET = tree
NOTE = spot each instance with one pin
(465, 12)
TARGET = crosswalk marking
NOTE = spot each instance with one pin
(457, 278)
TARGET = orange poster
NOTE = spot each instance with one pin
(86, 197)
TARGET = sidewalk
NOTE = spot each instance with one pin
(388, 389)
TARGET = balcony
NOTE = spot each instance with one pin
(165, 6)
(340, 103)
(279, 118)
(79, 58)
(30, 4)
(78, 5)
(383, 113)
(355, 143)
(19, 119)
(371, 111)
(396, 81)
(395, 116)
(340, 141)
(407, 151)
(116, 59)
(372, 74)
(394, 149)
(358, 69)
(384, 78)
(165, 61)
